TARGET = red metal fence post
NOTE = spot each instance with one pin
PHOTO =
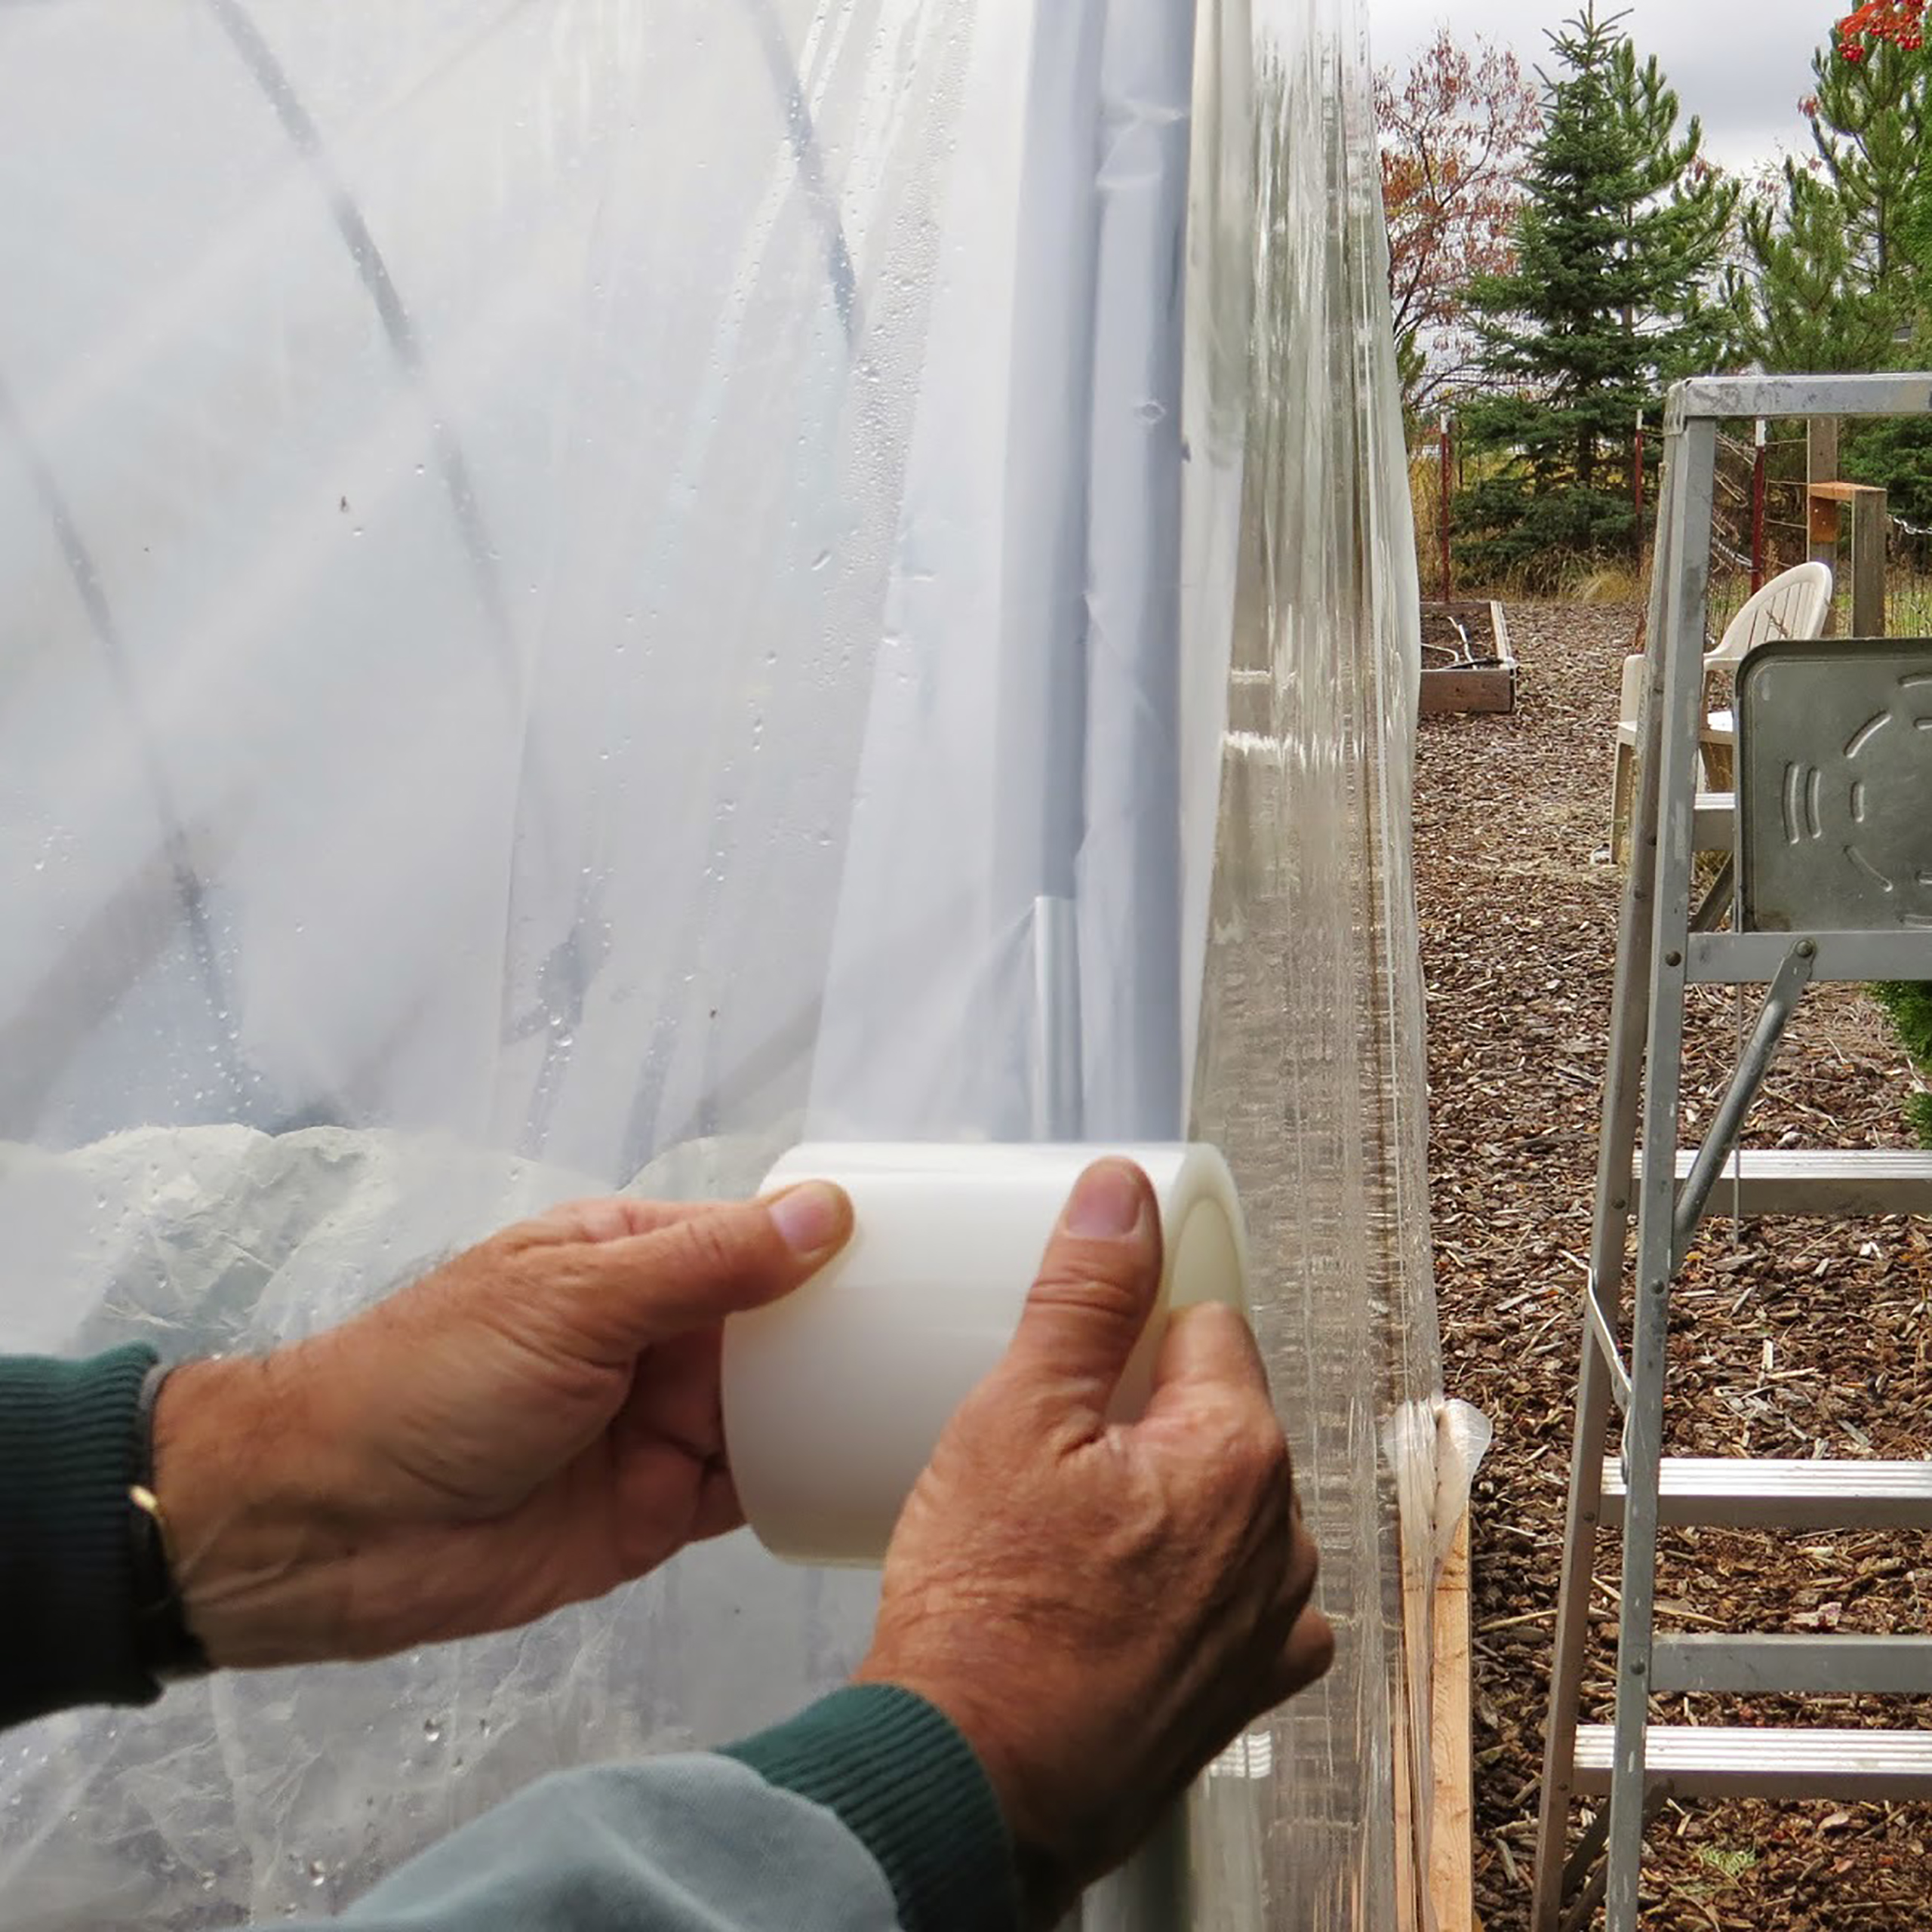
(1637, 479)
(1442, 511)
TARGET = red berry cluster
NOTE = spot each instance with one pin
(1900, 22)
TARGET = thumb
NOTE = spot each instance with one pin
(1096, 1288)
(738, 1255)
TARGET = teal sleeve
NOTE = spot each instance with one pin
(868, 1813)
(68, 1455)
(908, 1787)
(869, 1810)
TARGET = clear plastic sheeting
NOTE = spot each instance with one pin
(587, 588)
(1310, 1074)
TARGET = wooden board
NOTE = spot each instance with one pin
(1452, 1822)
(1408, 1892)
(1491, 688)
(1457, 688)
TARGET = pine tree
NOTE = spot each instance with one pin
(1685, 208)
(1812, 304)
(1841, 261)
(1870, 118)
(1836, 261)
(1611, 296)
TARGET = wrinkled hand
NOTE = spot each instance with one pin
(531, 1424)
(1100, 1607)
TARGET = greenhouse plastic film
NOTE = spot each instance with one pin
(588, 588)
(1311, 1070)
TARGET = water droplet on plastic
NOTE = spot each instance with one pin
(432, 1729)
(317, 1873)
(824, 558)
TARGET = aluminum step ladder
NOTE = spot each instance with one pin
(1815, 891)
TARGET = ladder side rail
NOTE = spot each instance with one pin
(1609, 1237)
(1685, 590)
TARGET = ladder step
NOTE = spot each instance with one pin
(1713, 819)
(1730, 1492)
(1846, 1665)
(1883, 1180)
(1715, 1761)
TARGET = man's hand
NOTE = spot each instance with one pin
(533, 1424)
(1099, 1607)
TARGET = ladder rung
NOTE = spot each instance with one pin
(1713, 820)
(1730, 1492)
(1716, 1762)
(1846, 1665)
(1810, 1180)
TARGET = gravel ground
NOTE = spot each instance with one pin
(1791, 1337)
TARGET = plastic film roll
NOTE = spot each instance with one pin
(834, 1398)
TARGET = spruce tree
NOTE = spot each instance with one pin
(1610, 297)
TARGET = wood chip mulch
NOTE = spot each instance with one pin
(1790, 1337)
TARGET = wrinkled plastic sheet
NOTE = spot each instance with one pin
(1311, 1070)
(586, 589)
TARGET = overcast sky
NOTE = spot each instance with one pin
(1742, 69)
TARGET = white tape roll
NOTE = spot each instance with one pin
(834, 1398)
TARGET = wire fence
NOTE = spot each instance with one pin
(1434, 482)
(1761, 527)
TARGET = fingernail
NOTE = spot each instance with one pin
(1107, 1202)
(807, 1216)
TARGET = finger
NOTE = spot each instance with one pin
(1096, 1287)
(1304, 1570)
(667, 1447)
(734, 1256)
(609, 1217)
(719, 1511)
(675, 1398)
(1309, 1654)
(1208, 1346)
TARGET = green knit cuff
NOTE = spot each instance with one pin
(907, 1786)
(68, 1457)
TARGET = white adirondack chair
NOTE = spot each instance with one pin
(1794, 603)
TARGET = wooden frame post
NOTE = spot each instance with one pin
(1758, 511)
(1870, 521)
